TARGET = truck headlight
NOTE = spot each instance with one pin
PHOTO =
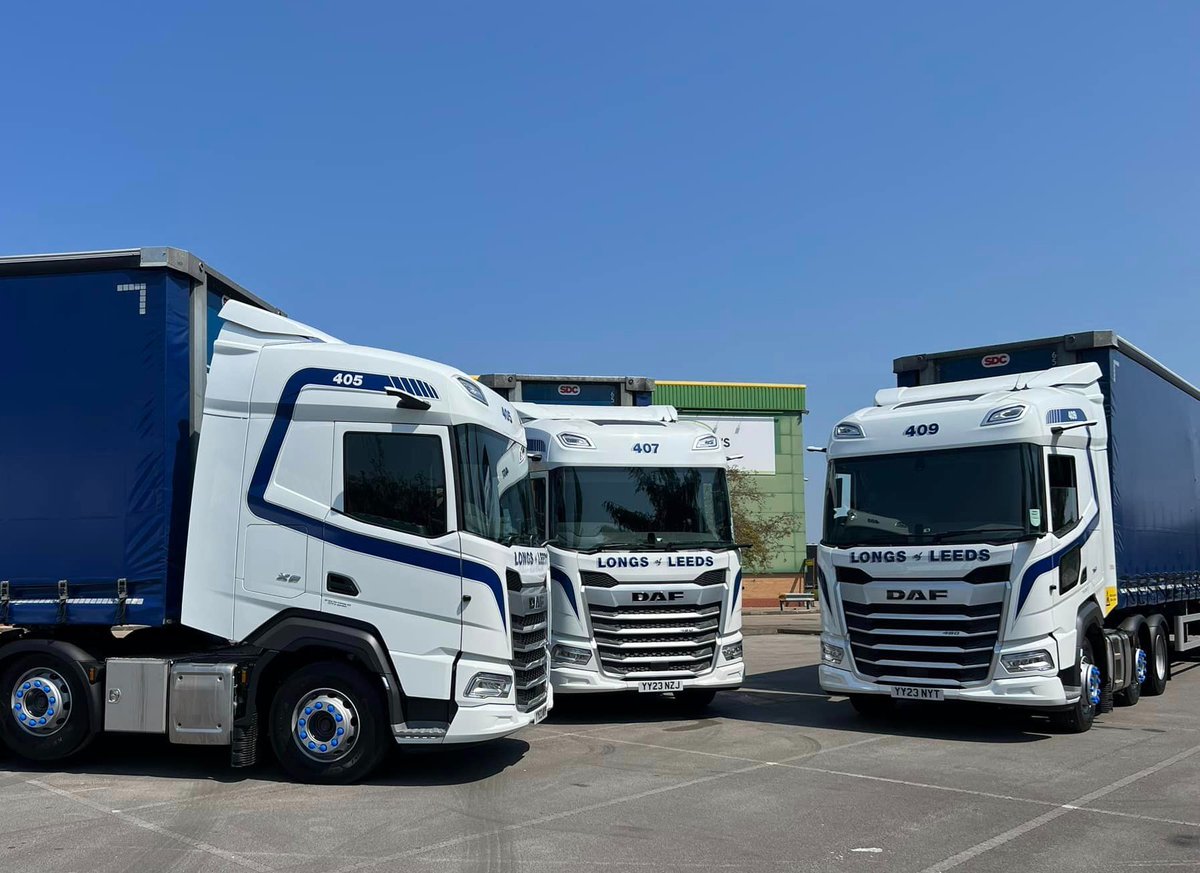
(732, 652)
(1040, 661)
(485, 686)
(831, 654)
(569, 656)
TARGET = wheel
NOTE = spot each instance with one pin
(872, 705)
(1131, 695)
(1078, 719)
(1158, 668)
(47, 717)
(328, 724)
(695, 699)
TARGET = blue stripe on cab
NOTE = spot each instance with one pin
(451, 565)
(568, 587)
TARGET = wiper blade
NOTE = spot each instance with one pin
(620, 547)
(721, 545)
(982, 536)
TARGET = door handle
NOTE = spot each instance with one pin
(336, 583)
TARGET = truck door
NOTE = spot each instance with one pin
(1073, 521)
(391, 556)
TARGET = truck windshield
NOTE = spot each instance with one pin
(634, 507)
(973, 495)
(495, 495)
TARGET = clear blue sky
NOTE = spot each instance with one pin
(785, 191)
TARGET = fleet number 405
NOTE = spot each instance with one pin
(354, 380)
(915, 430)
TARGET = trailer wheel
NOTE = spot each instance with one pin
(1078, 719)
(327, 724)
(872, 705)
(47, 717)
(1158, 668)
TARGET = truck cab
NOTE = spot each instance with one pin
(362, 568)
(945, 504)
(646, 579)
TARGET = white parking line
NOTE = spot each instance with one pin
(582, 810)
(151, 826)
(1046, 817)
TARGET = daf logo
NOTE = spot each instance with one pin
(646, 596)
(917, 594)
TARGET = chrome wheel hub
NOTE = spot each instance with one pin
(325, 724)
(1091, 681)
(1140, 666)
(41, 702)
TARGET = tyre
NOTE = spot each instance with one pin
(872, 705)
(1078, 719)
(328, 724)
(1158, 662)
(695, 699)
(47, 717)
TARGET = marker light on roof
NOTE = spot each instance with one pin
(1004, 415)
(575, 441)
(474, 390)
(706, 442)
(847, 431)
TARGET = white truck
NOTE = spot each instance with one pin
(329, 544)
(645, 573)
(1016, 525)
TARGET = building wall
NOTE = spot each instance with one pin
(785, 488)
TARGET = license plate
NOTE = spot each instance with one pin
(916, 692)
(539, 714)
(652, 686)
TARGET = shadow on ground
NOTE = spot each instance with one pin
(154, 757)
(793, 697)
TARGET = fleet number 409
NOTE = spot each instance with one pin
(915, 430)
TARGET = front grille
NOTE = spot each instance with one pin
(530, 634)
(663, 638)
(512, 579)
(940, 643)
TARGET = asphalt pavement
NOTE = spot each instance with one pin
(776, 777)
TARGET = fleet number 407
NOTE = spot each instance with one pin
(915, 430)
(646, 448)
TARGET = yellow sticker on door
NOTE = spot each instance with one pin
(1110, 599)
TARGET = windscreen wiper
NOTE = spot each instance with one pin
(711, 545)
(983, 536)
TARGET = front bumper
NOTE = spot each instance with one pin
(491, 721)
(1038, 690)
(727, 675)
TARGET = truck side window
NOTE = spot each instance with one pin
(1064, 493)
(396, 480)
(539, 505)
